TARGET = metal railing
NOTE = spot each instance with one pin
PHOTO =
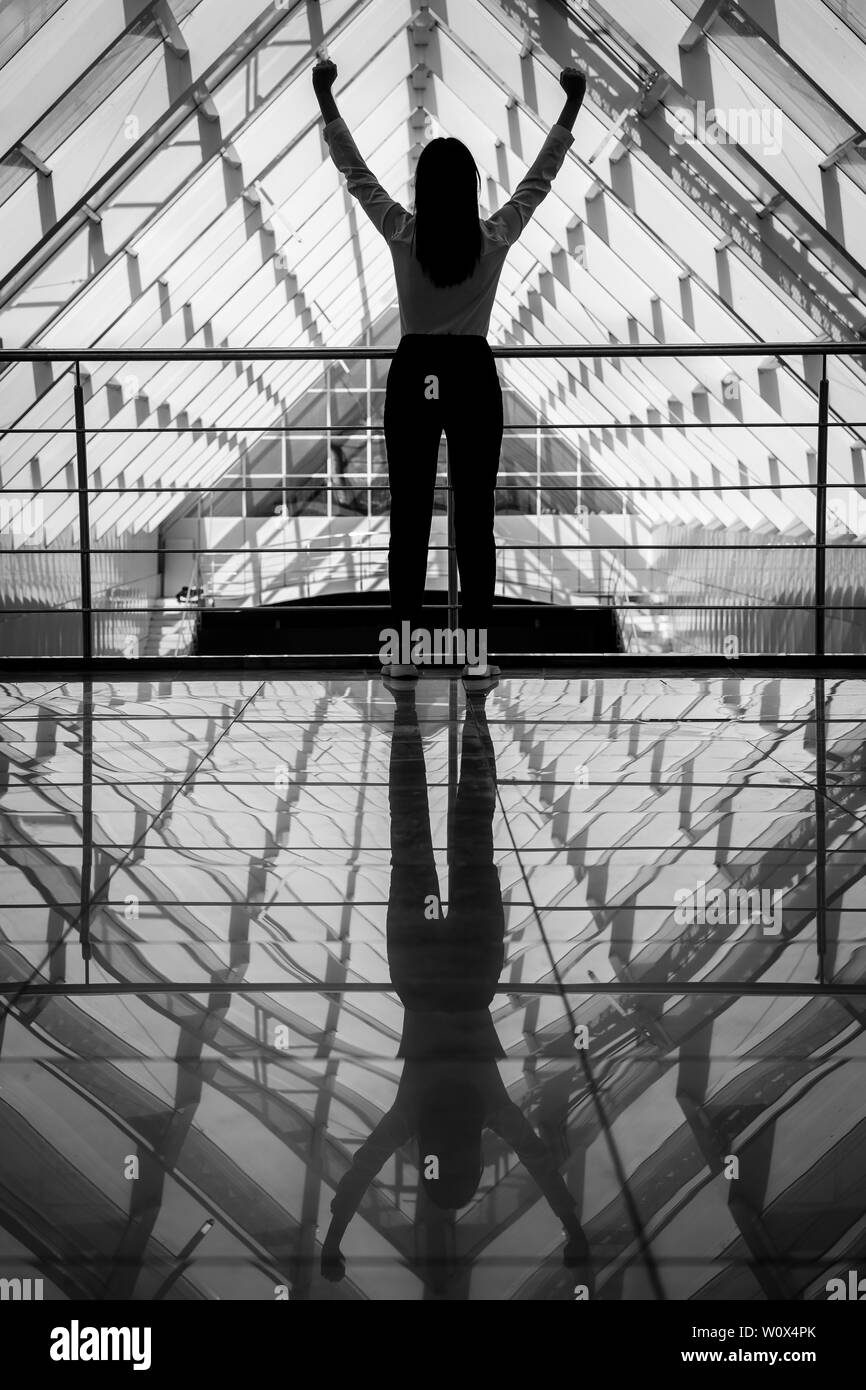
(612, 352)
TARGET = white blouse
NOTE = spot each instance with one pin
(463, 308)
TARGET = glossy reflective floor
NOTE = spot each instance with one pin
(320, 991)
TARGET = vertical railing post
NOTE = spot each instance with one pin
(284, 462)
(820, 647)
(364, 556)
(368, 386)
(450, 835)
(329, 454)
(83, 517)
(821, 511)
(453, 616)
(453, 620)
(85, 910)
(821, 828)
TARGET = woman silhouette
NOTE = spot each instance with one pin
(445, 968)
(447, 264)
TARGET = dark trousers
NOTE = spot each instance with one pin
(436, 963)
(435, 383)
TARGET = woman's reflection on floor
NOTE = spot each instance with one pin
(445, 970)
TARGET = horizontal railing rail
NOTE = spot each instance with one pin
(825, 420)
(810, 348)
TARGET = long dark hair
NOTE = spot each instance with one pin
(447, 236)
(450, 1126)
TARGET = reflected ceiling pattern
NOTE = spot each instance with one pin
(166, 185)
(313, 990)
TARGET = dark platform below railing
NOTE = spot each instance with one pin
(346, 624)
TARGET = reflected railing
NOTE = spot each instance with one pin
(567, 536)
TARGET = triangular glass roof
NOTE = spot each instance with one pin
(166, 185)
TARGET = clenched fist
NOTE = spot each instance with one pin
(573, 83)
(333, 1265)
(324, 75)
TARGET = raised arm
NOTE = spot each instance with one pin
(391, 1131)
(511, 1125)
(324, 77)
(573, 83)
(512, 217)
(381, 209)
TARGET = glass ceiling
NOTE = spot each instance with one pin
(166, 185)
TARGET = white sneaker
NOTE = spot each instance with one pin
(481, 671)
(400, 672)
(480, 678)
